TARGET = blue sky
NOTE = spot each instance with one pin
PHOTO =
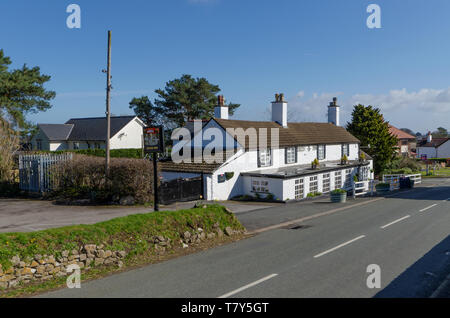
(309, 50)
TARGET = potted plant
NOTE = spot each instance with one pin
(315, 164)
(344, 160)
(362, 157)
(338, 196)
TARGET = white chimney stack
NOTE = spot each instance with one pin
(333, 113)
(429, 137)
(221, 110)
(279, 110)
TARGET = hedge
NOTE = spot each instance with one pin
(84, 178)
(114, 153)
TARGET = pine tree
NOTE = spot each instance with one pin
(183, 99)
(369, 126)
(22, 92)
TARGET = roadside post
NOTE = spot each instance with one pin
(154, 144)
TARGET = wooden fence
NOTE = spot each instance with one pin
(37, 173)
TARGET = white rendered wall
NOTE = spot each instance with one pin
(444, 150)
(129, 137)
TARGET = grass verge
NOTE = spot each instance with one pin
(134, 234)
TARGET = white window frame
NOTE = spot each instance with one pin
(76, 146)
(299, 189)
(291, 155)
(345, 150)
(321, 152)
(260, 186)
(338, 179)
(313, 184)
(326, 182)
(265, 157)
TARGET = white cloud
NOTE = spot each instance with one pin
(432, 100)
(419, 110)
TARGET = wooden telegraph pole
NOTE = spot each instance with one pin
(108, 105)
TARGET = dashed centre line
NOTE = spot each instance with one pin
(427, 208)
(259, 281)
(339, 246)
(396, 221)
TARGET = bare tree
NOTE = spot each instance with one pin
(9, 145)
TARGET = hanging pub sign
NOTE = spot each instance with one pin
(153, 139)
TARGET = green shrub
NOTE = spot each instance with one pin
(9, 189)
(382, 185)
(338, 191)
(229, 175)
(270, 197)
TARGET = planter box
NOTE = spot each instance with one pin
(338, 198)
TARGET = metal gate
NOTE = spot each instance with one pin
(181, 190)
(36, 172)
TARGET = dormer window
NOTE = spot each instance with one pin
(345, 150)
(290, 155)
(265, 158)
(321, 152)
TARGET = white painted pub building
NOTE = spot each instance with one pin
(283, 168)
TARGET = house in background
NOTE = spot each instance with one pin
(430, 147)
(406, 142)
(281, 169)
(89, 133)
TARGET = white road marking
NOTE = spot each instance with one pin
(339, 246)
(396, 221)
(259, 281)
(427, 208)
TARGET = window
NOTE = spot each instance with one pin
(321, 152)
(265, 158)
(326, 183)
(348, 179)
(404, 142)
(39, 144)
(364, 173)
(345, 150)
(76, 145)
(299, 189)
(337, 179)
(97, 145)
(260, 186)
(291, 155)
(313, 185)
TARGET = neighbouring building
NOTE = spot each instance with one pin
(89, 133)
(283, 168)
(406, 142)
(430, 147)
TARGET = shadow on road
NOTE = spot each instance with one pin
(421, 193)
(423, 277)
